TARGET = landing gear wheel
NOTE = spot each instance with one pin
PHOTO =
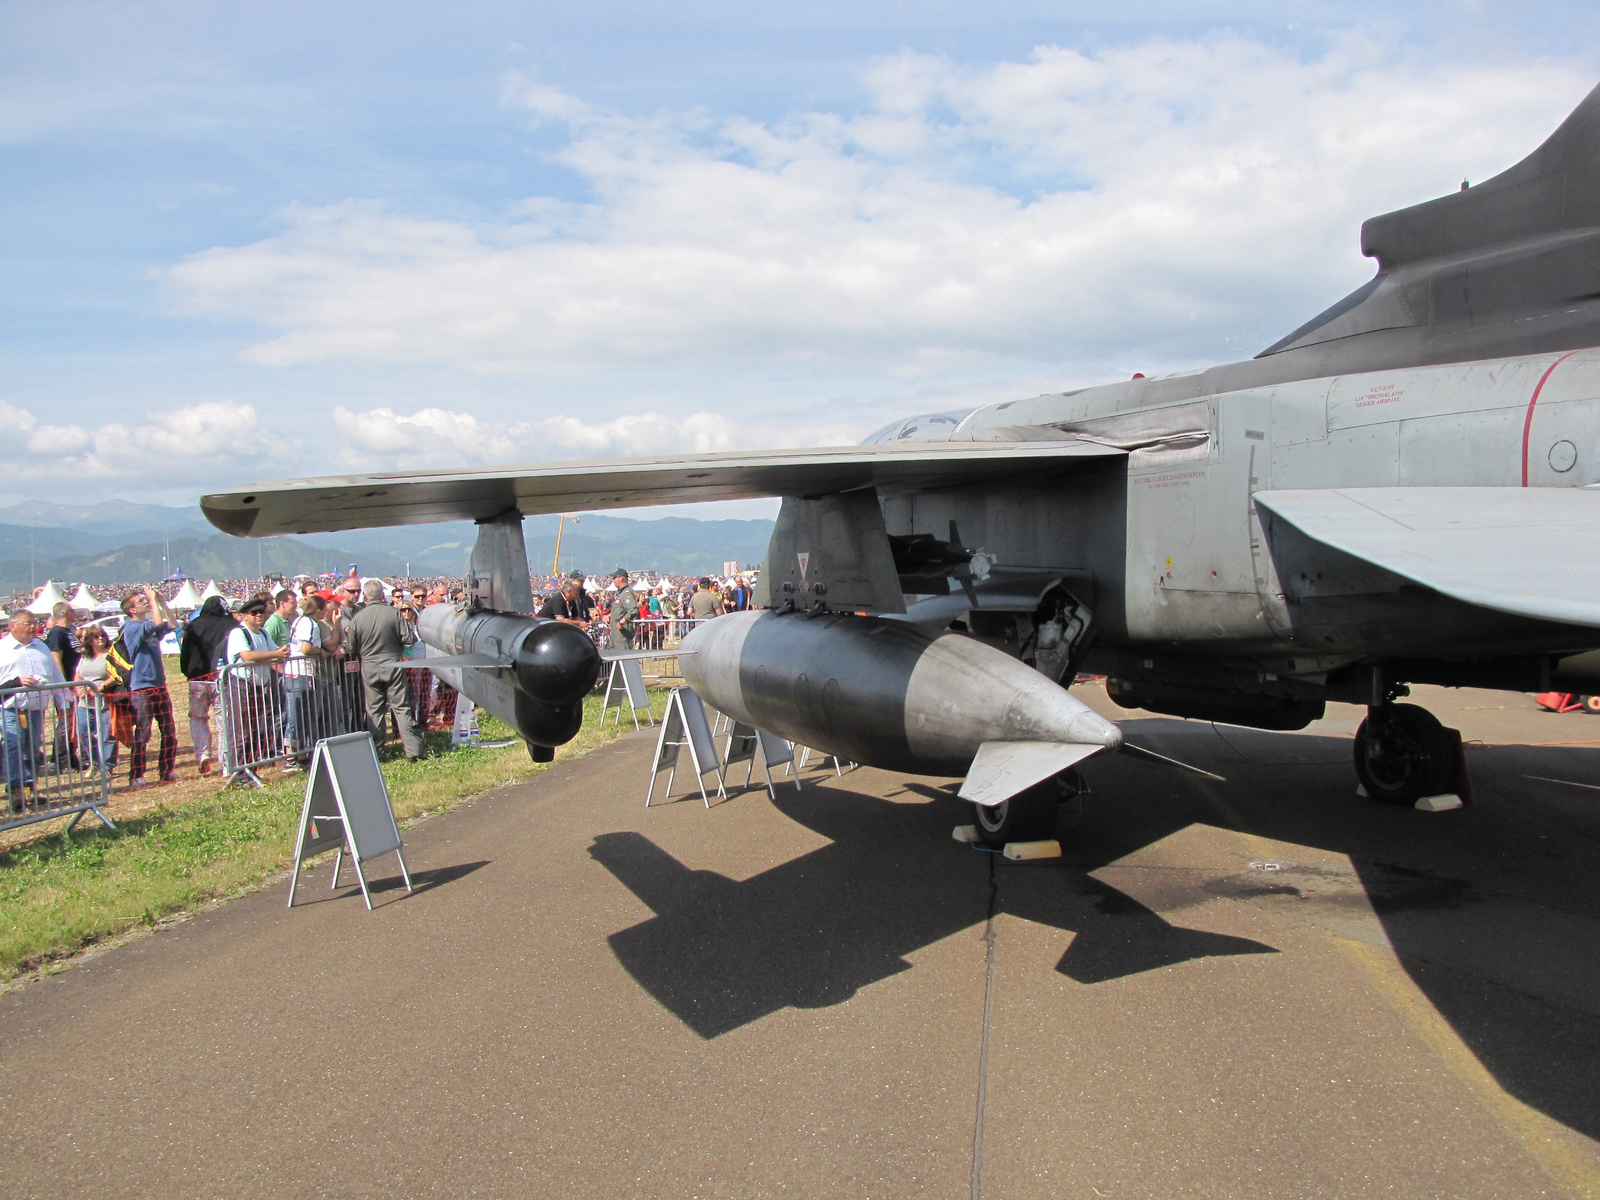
(1591, 705)
(1030, 816)
(1403, 753)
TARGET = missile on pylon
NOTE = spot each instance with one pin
(530, 672)
(881, 692)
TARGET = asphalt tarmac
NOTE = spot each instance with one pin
(1269, 987)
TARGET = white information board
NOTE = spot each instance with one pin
(347, 809)
(747, 744)
(685, 725)
(625, 686)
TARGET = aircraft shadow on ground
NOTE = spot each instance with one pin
(1492, 909)
(1511, 879)
(720, 953)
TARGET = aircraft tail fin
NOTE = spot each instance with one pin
(1554, 190)
(1508, 266)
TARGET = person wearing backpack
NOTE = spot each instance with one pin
(148, 621)
(205, 639)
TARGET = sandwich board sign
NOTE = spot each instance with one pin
(347, 809)
(626, 686)
(685, 725)
(748, 744)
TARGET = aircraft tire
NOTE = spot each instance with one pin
(1591, 705)
(1402, 753)
(1028, 816)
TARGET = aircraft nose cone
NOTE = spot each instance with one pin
(1045, 712)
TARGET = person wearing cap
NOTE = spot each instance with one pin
(624, 611)
(250, 702)
(378, 636)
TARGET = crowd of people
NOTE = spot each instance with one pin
(280, 647)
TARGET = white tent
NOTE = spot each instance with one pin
(185, 600)
(48, 599)
(83, 599)
(211, 590)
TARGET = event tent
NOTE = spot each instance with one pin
(185, 600)
(49, 597)
(83, 599)
(211, 590)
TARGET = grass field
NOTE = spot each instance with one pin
(178, 848)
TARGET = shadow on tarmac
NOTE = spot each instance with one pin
(421, 881)
(721, 953)
(1492, 909)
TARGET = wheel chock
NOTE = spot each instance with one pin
(965, 833)
(1441, 803)
(1018, 851)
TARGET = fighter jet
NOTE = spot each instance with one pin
(1402, 490)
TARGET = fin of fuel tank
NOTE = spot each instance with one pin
(1000, 770)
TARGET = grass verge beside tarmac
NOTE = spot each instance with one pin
(63, 893)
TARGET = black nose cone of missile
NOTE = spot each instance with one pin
(557, 664)
(547, 724)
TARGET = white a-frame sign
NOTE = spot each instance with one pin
(626, 686)
(747, 744)
(685, 725)
(347, 809)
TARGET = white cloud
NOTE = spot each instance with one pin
(1172, 202)
(219, 444)
(381, 439)
(193, 442)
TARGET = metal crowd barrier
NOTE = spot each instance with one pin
(56, 754)
(277, 712)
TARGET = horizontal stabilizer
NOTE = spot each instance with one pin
(1532, 552)
(1002, 769)
(340, 502)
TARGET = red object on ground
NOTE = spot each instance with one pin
(1561, 702)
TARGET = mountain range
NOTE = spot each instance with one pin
(121, 542)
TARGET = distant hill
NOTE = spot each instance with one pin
(114, 518)
(125, 543)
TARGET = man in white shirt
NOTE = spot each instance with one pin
(300, 684)
(25, 662)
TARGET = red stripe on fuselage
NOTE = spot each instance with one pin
(1527, 422)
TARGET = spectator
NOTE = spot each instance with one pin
(148, 621)
(93, 726)
(705, 603)
(64, 644)
(205, 642)
(300, 684)
(25, 662)
(378, 636)
(281, 621)
(251, 715)
(569, 605)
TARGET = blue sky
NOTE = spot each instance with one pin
(245, 241)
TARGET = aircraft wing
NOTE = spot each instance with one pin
(398, 498)
(1534, 552)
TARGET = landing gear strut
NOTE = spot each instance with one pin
(1403, 753)
(1032, 815)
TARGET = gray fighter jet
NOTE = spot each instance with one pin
(1402, 490)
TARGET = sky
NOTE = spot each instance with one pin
(241, 242)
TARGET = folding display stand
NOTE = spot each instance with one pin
(685, 726)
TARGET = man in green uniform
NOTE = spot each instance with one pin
(624, 612)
